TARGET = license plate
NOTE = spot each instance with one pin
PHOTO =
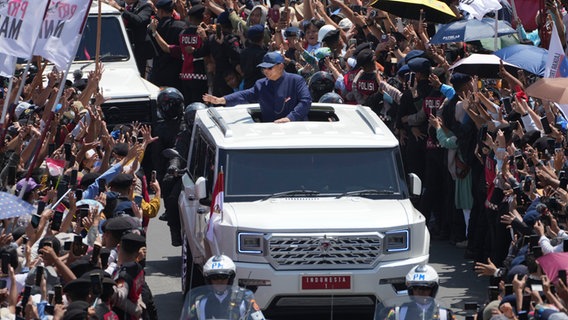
(326, 282)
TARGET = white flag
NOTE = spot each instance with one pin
(479, 8)
(61, 30)
(19, 25)
(7, 65)
(556, 63)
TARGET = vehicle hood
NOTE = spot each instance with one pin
(125, 84)
(120, 81)
(309, 214)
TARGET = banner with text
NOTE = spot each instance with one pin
(19, 25)
(556, 62)
(60, 31)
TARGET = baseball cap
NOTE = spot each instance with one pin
(421, 65)
(31, 185)
(164, 4)
(364, 57)
(255, 31)
(271, 59)
(323, 31)
(345, 24)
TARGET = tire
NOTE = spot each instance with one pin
(191, 275)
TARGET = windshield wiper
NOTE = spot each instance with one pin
(365, 192)
(107, 58)
(292, 193)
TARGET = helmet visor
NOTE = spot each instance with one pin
(219, 276)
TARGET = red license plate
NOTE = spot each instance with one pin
(326, 282)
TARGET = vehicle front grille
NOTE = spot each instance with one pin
(124, 112)
(326, 251)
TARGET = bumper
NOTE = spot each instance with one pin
(284, 290)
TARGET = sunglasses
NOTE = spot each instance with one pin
(219, 277)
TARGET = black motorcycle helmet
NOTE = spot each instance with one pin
(320, 83)
(190, 110)
(331, 97)
(170, 104)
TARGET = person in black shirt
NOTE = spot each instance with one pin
(252, 55)
(226, 51)
(166, 69)
(136, 15)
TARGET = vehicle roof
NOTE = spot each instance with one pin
(234, 128)
(105, 8)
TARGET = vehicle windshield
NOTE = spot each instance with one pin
(113, 44)
(252, 173)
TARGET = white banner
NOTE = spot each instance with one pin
(7, 64)
(556, 63)
(19, 25)
(61, 30)
(479, 8)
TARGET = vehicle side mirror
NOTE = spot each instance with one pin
(200, 188)
(414, 184)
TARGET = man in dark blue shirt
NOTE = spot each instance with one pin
(283, 97)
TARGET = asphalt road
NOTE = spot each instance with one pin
(458, 282)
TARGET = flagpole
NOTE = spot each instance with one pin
(98, 43)
(49, 119)
(496, 31)
(7, 97)
(3, 128)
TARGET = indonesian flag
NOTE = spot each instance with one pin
(556, 63)
(19, 25)
(55, 166)
(62, 30)
(479, 8)
(216, 206)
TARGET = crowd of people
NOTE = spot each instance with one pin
(491, 158)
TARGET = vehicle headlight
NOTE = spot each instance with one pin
(250, 243)
(396, 241)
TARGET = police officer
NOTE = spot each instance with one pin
(173, 179)
(320, 83)
(166, 68)
(136, 15)
(225, 49)
(331, 97)
(222, 300)
(170, 113)
(422, 283)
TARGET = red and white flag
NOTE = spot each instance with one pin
(62, 30)
(56, 167)
(19, 26)
(216, 206)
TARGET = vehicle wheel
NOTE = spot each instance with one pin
(191, 275)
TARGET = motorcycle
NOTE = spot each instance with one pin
(227, 303)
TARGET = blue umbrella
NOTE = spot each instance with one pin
(12, 206)
(527, 57)
(470, 30)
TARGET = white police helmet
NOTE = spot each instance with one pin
(422, 275)
(218, 267)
